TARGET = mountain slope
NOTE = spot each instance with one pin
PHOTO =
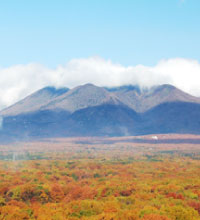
(50, 98)
(82, 97)
(89, 110)
(172, 117)
(143, 100)
(104, 120)
(34, 102)
(42, 123)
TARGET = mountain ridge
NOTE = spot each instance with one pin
(140, 100)
(89, 110)
(34, 101)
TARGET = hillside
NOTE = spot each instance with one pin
(89, 110)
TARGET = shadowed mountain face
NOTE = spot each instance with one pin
(104, 120)
(173, 117)
(89, 110)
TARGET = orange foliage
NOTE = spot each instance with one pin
(104, 186)
(155, 217)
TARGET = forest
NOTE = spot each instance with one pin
(70, 180)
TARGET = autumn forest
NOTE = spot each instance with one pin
(73, 179)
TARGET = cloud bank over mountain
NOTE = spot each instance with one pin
(19, 81)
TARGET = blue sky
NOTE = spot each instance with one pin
(66, 43)
(129, 32)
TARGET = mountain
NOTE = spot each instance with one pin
(89, 110)
(172, 117)
(104, 120)
(143, 100)
(82, 97)
(42, 123)
(34, 102)
(50, 98)
(88, 95)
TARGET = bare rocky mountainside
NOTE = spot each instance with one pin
(35, 101)
(89, 110)
(142, 101)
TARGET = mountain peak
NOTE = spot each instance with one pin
(88, 85)
(163, 87)
(88, 95)
(142, 100)
(92, 110)
(83, 96)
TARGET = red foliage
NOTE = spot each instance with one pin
(195, 205)
(175, 196)
(126, 192)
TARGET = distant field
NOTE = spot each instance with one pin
(101, 179)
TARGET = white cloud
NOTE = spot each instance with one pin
(21, 80)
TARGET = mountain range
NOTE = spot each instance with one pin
(89, 110)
